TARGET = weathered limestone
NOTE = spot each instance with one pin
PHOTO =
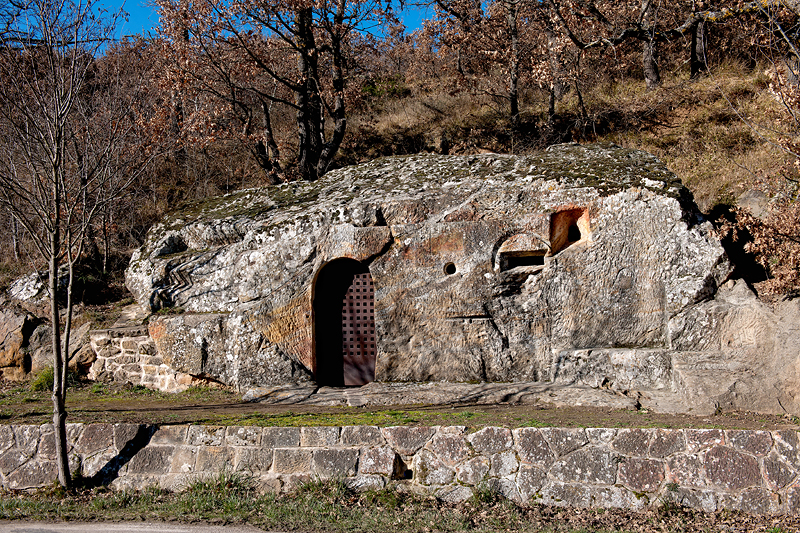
(582, 265)
(752, 471)
(16, 326)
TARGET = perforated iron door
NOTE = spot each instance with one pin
(358, 331)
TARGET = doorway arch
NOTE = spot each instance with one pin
(344, 324)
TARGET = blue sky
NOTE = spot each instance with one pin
(143, 18)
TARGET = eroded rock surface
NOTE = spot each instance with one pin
(582, 264)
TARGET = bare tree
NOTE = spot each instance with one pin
(62, 150)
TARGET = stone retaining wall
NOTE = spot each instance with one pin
(709, 469)
(130, 355)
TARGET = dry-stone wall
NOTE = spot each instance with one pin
(708, 469)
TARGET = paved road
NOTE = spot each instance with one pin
(118, 527)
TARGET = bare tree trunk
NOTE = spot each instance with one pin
(512, 14)
(59, 365)
(330, 148)
(697, 60)
(559, 87)
(308, 99)
(104, 221)
(652, 77)
(15, 237)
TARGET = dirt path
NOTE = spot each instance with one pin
(116, 403)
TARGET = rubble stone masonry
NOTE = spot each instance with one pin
(708, 469)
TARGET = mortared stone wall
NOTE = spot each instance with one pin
(708, 469)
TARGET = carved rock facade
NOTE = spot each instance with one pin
(582, 264)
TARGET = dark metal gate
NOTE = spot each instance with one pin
(358, 331)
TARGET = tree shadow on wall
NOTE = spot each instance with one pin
(110, 471)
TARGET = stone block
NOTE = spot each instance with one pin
(564, 440)
(559, 494)
(366, 482)
(582, 496)
(184, 460)
(430, 470)
(6, 438)
(533, 448)
(362, 436)
(213, 459)
(280, 437)
(698, 440)
(587, 465)
(754, 500)
(243, 436)
(633, 441)
(27, 438)
(95, 437)
(176, 435)
(793, 500)
(667, 442)
(530, 481)
(503, 464)
(753, 442)
(32, 475)
(47, 446)
(125, 433)
(777, 474)
(504, 487)
(641, 475)
(473, 472)
(73, 432)
(177, 481)
(253, 460)
(407, 440)
(601, 436)
(491, 440)
(787, 446)
(291, 460)
(148, 347)
(730, 469)
(319, 436)
(334, 462)
(269, 483)
(152, 460)
(12, 459)
(377, 460)
(95, 463)
(206, 436)
(686, 470)
(150, 370)
(454, 494)
(616, 497)
(450, 447)
(293, 482)
(704, 500)
(129, 344)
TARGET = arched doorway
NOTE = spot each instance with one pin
(344, 324)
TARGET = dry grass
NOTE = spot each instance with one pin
(716, 133)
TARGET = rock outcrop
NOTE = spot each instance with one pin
(584, 264)
(16, 326)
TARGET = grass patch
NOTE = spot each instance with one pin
(332, 506)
